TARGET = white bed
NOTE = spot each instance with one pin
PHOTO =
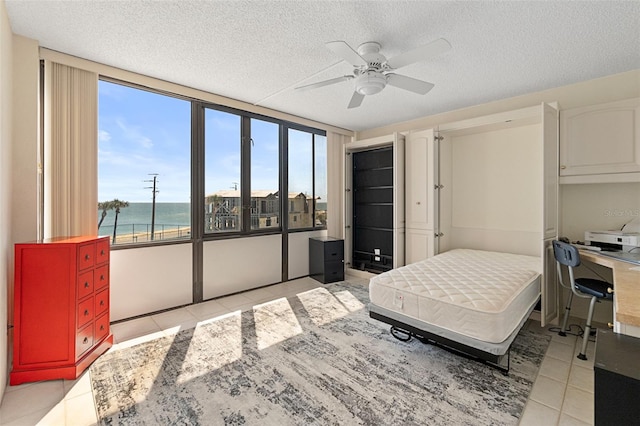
(471, 300)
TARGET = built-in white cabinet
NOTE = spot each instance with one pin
(601, 143)
(498, 179)
(421, 195)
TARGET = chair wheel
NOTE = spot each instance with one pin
(562, 333)
(582, 357)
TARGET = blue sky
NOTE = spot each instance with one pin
(141, 133)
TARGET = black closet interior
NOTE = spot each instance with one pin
(373, 210)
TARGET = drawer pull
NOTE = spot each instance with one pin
(610, 324)
(87, 257)
(86, 312)
(85, 340)
(101, 252)
(86, 284)
(609, 290)
(101, 277)
(102, 328)
(102, 303)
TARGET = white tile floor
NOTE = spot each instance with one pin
(562, 394)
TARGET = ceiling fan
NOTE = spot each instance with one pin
(372, 71)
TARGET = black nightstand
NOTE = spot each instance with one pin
(326, 259)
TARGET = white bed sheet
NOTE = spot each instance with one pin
(479, 294)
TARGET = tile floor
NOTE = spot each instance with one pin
(562, 393)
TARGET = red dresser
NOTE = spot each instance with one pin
(61, 307)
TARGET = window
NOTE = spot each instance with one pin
(145, 169)
(307, 179)
(222, 171)
(144, 159)
(265, 174)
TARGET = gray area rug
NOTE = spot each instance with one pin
(315, 358)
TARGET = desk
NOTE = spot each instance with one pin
(626, 283)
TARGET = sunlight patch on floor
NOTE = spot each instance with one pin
(275, 322)
(322, 306)
(223, 346)
(349, 300)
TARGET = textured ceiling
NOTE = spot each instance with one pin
(257, 51)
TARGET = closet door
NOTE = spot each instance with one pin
(549, 291)
(422, 189)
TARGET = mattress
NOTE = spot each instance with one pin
(479, 294)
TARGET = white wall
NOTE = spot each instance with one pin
(596, 206)
(239, 264)
(150, 279)
(299, 252)
(6, 83)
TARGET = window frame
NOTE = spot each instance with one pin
(197, 172)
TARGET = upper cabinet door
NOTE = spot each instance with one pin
(421, 179)
(600, 139)
(550, 171)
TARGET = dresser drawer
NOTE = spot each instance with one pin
(86, 256)
(102, 251)
(102, 327)
(333, 251)
(102, 277)
(102, 302)
(333, 272)
(85, 312)
(85, 284)
(84, 340)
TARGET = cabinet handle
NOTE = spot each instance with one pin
(418, 202)
(85, 341)
(87, 257)
(563, 167)
(86, 285)
(102, 328)
(102, 303)
(101, 252)
(86, 312)
(101, 277)
(610, 290)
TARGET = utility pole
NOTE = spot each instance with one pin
(154, 191)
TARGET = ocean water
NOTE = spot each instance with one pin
(137, 218)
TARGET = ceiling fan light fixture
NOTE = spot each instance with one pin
(370, 83)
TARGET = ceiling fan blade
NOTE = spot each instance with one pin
(356, 100)
(419, 54)
(324, 83)
(407, 83)
(345, 51)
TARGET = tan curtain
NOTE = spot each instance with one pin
(70, 151)
(335, 183)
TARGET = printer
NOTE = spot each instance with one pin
(625, 239)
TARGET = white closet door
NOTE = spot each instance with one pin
(550, 171)
(549, 290)
(421, 207)
(549, 285)
(421, 169)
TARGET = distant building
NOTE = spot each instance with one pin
(222, 210)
